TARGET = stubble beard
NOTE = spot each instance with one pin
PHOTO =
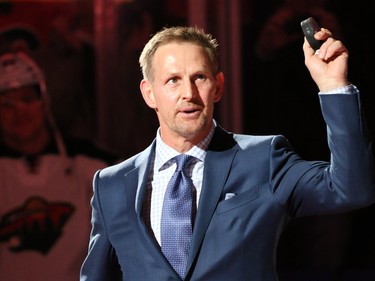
(191, 129)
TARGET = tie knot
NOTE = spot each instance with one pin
(182, 161)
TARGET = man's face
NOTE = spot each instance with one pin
(21, 114)
(183, 92)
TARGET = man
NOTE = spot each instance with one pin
(45, 181)
(245, 188)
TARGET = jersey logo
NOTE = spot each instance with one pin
(35, 226)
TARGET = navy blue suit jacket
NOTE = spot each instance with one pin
(233, 239)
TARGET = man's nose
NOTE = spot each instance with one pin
(190, 90)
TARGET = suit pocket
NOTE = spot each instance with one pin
(238, 200)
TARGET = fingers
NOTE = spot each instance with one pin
(307, 48)
(323, 34)
(331, 47)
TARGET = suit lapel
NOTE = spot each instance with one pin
(218, 162)
(139, 175)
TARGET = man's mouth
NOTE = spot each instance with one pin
(189, 111)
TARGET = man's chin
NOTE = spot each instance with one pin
(192, 130)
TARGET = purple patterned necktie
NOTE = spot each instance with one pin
(176, 224)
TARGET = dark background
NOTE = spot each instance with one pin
(278, 95)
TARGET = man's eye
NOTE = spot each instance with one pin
(172, 81)
(201, 77)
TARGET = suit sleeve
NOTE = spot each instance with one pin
(347, 182)
(101, 261)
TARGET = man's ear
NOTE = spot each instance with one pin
(147, 93)
(219, 86)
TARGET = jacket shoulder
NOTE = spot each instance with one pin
(129, 164)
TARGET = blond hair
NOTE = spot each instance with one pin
(180, 34)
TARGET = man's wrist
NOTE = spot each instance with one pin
(333, 84)
(346, 89)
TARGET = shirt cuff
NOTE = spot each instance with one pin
(346, 90)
